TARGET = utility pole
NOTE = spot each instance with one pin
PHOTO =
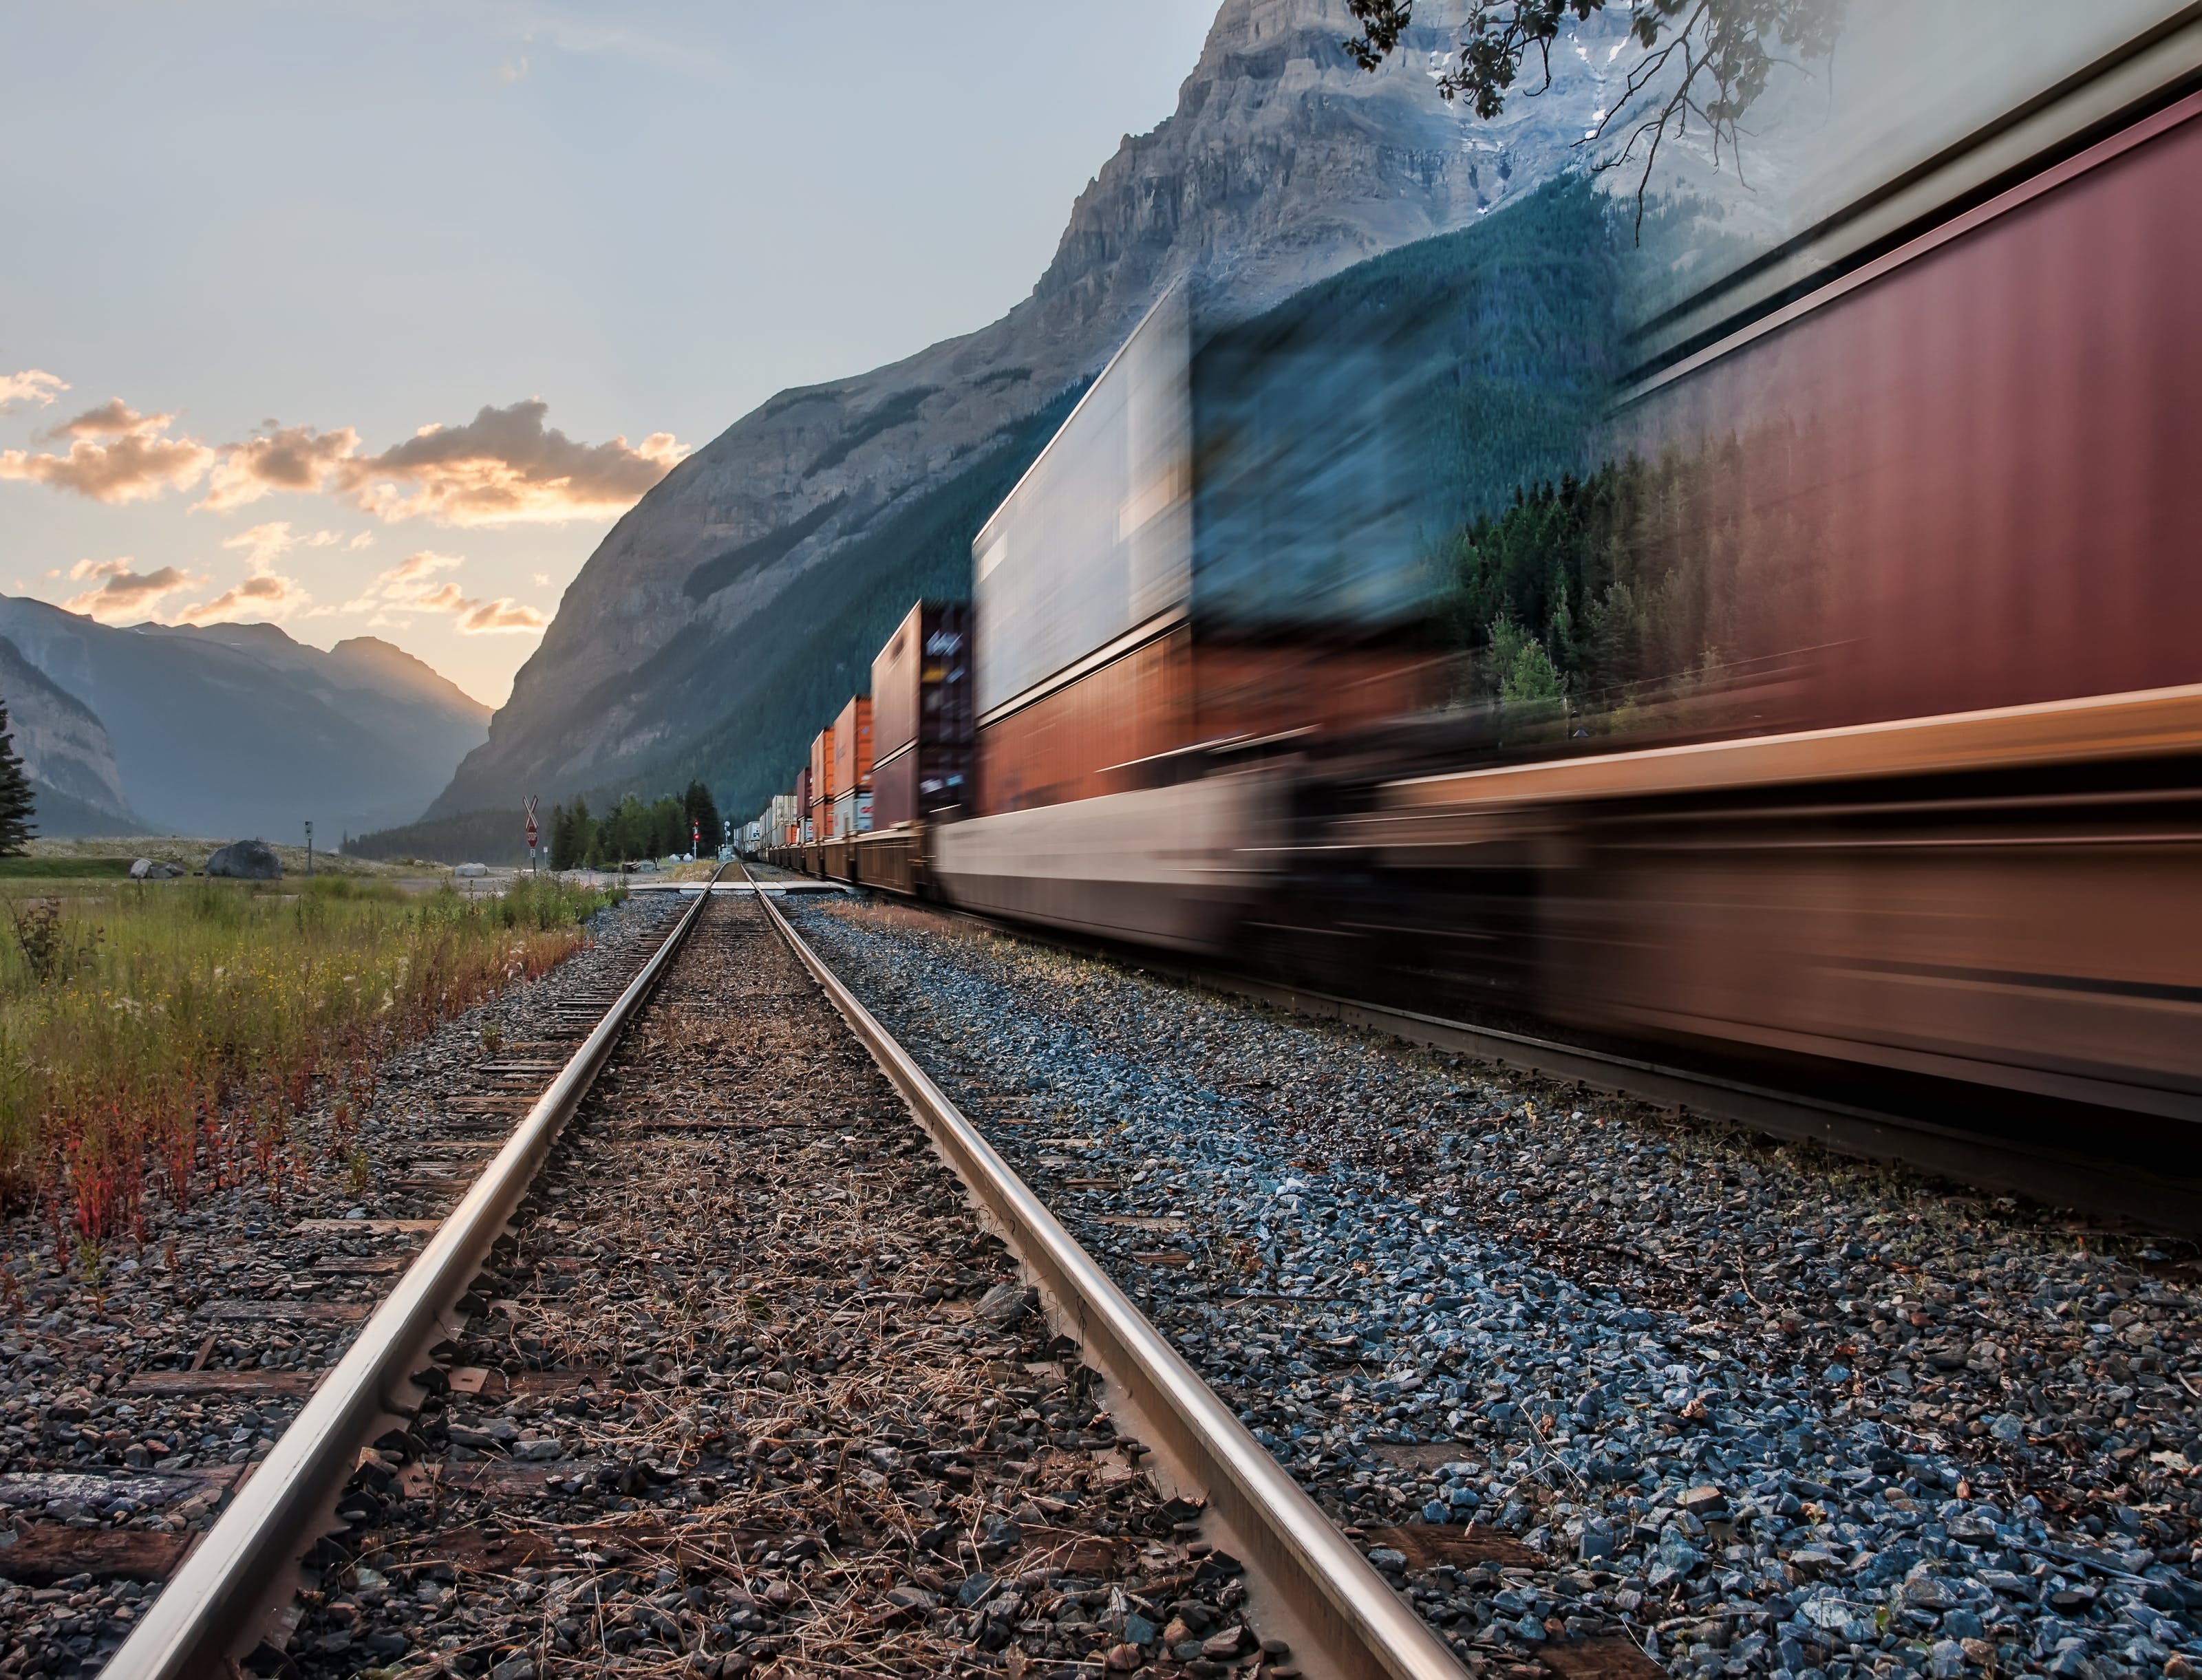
(310, 851)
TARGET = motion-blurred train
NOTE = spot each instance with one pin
(1840, 718)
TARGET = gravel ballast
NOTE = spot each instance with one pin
(1564, 1364)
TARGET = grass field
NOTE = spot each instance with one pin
(161, 1037)
(64, 869)
(193, 854)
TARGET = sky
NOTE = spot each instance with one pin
(372, 319)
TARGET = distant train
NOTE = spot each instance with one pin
(1844, 718)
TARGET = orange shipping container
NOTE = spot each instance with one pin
(821, 770)
(852, 747)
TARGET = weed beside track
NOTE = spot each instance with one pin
(169, 1035)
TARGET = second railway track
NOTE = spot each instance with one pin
(749, 1383)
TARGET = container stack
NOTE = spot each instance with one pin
(782, 818)
(818, 797)
(852, 769)
(922, 712)
(1214, 552)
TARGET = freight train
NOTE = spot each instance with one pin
(1839, 720)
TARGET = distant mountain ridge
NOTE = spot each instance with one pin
(229, 730)
(726, 614)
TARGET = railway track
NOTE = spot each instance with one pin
(1741, 1399)
(719, 1365)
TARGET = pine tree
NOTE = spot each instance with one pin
(16, 804)
(572, 835)
(702, 812)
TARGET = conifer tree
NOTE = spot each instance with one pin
(15, 800)
(703, 812)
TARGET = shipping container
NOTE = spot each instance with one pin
(921, 685)
(1254, 495)
(852, 813)
(923, 780)
(1174, 709)
(1094, 544)
(921, 715)
(853, 747)
(819, 803)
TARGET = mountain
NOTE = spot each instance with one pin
(66, 753)
(729, 612)
(235, 729)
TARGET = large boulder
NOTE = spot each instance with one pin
(246, 861)
(151, 869)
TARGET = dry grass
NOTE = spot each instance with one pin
(170, 1034)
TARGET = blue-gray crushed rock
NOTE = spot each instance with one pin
(1770, 1410)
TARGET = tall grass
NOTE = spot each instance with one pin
(166, 1037)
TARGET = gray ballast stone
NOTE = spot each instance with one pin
(1768, 1411)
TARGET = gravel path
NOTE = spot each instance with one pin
(133, 1401)
(754, 1393)
(1563, 1364)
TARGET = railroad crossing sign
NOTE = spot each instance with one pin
(528, 804)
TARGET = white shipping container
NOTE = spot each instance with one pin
(852, 813)
(1096, 540)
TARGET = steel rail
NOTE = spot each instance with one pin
(1343, 1619)
(219, 1605)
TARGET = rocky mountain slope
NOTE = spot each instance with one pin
(735, 606)
(66, 753)
(230, 730)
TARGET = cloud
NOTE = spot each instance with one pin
(399, 581)
(541, 579)
(511, 73)
(408, 587)
(364, 540)
(265, 595)
(503, 616)
(281, 457)
(121, 594)
(32, 384)
(505, 466)
(115, 453)
(112, 419)
(269, 541)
